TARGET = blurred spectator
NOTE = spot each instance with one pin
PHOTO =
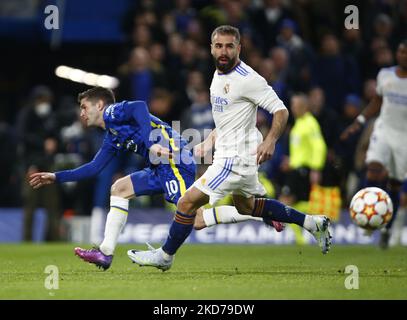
(138, 79)
(157, 55)
(184, 15)
(300, 54)
(255, 59)
(377, 44)
(161, 104)
(352, 44)
(18, 9)
(383, 27)
(269, 17)
(336, 73)
(280, 59)
(199, 115)
(383, 58)
(268, 72)
(307, 153)
(141, 36)
(8, 163)
(328, 121)
(346, 149)
(38, 145)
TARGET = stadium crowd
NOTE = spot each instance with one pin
(300, 47)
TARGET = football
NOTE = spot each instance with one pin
(371, 208)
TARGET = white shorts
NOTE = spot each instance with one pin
(388, 149)
(229, 175)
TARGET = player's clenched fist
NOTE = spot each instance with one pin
(39, 179)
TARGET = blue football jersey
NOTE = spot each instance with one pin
(127, 130)
(131, 128)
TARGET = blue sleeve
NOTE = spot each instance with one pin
(90, 169)
(138, 111)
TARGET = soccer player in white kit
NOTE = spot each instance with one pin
(236, 92)
(386, 158)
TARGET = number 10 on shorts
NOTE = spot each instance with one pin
(172, 187)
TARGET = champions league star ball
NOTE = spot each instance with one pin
(371, 208)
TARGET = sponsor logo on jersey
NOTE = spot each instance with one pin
(110, 110)
(219, 100)
(217, 108)
(130, 145)
(396, 98)
(218, 103)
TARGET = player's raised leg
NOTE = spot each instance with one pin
(180, 229)
(121, 192)
(225, 215)
(270, 209)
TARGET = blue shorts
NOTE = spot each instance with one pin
(172, 180)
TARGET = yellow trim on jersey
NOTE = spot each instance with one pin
(179, 177)
(166, 136)
(174, 168)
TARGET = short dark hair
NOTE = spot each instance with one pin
(97, 93)
(226, 29)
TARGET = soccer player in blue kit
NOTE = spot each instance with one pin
(131, 128)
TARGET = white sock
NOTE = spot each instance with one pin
(224, 215)
(96, 224)
(309, 223)
(116, 219)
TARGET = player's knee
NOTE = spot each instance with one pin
(185, 206)
(119, 189)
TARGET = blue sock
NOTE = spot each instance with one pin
(275, 210)
(180, 229)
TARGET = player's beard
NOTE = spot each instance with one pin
(225, 67)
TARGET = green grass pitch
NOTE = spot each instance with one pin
(207, 272)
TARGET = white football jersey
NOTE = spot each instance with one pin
(235, 97)
(393, 89)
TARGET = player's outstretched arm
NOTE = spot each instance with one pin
(39, 179)
(371, 110)
(201, 149)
